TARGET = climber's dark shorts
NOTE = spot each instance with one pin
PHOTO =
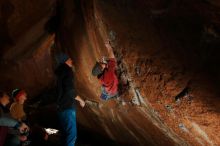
(106, 96)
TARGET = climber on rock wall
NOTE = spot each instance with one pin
(106, 74)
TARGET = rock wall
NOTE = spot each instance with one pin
(167, 59)
(25, 45)
(168, 64)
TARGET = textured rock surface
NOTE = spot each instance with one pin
(25, 45)
(168, 59)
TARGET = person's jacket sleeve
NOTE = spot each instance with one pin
(112, 64)
(8, 121)
(59, 86)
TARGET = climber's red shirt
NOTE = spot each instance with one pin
(109, 79)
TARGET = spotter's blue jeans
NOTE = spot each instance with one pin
(67, 120)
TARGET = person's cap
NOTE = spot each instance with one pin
(16, 93)
(97, 69)
(62, 58)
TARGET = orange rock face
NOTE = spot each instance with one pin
(25, 45)
(168, 65)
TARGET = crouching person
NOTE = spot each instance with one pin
(9, 137)
(106, 74)
(17, 107)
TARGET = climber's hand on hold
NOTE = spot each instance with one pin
(110, 50)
